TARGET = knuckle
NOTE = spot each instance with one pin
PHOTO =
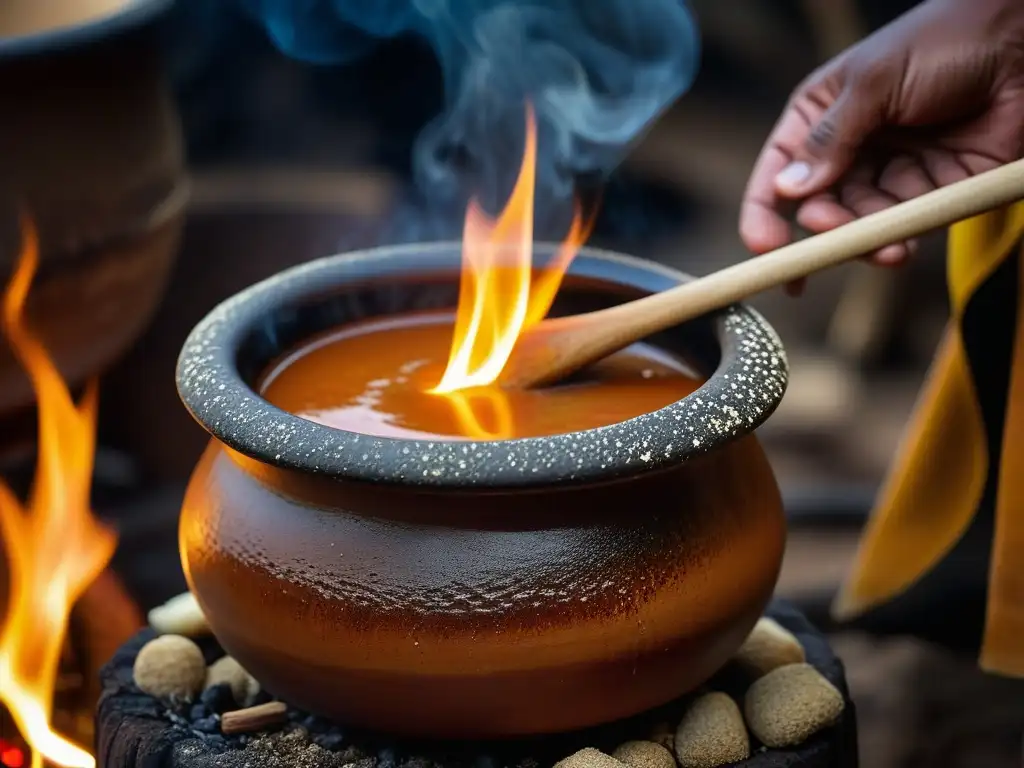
(824, 133)
(856, 196)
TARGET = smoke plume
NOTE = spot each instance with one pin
(597, 72)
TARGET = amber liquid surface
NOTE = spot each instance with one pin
(373, 378)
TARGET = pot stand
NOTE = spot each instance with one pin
(135, 730)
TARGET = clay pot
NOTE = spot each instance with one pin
(487, 589)
(91, 149)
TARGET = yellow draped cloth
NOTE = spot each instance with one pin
(951, 453)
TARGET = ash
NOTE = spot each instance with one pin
(307, 741)
(296, 748)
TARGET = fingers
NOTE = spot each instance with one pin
(824, 212)
(943, 167)
(763, 226)
(810, 148)
(838, 130)
(860, 194)
(821, 158)
(796, 288)
(904, 178)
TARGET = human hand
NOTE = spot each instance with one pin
(932, 98)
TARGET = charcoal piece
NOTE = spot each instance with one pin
(134, 730)
(218, 699)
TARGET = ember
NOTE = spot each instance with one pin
(54, 546)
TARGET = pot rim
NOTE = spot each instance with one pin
(134, 13)
(739, 396)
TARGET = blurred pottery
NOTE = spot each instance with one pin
(91, 149)
(478, 589)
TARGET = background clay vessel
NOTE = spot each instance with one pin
(481, 589)
(91, 148)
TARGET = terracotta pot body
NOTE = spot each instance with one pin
(488, 589)
(91, 149)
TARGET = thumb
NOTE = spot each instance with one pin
(832, 144)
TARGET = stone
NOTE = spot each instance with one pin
(790, 704)
(170, 667)
(712, 733)
(180, 615)
(228, 671)
(769, 646)
(663, 733)
(589, 758)
(644, 754)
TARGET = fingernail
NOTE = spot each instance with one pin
(891, 255)
(793, 175)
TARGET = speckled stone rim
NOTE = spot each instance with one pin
(133, 14)
(740, 395)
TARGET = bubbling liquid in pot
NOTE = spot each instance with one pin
(373, 377)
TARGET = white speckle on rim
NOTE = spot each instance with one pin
(719, 411)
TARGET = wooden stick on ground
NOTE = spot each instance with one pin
(254, 719)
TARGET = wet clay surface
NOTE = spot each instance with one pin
(26, 17)
(648, 585)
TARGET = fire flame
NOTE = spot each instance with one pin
(498, 299)
(55, 548)
(483, 413)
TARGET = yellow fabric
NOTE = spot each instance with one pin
(936, 483)
(1003, 647)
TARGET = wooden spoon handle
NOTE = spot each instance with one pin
(939, 208)
(557, 347)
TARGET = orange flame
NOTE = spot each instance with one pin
(498, 299)
(483, 413)
(55, 547)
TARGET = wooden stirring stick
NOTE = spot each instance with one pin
(555, 348)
